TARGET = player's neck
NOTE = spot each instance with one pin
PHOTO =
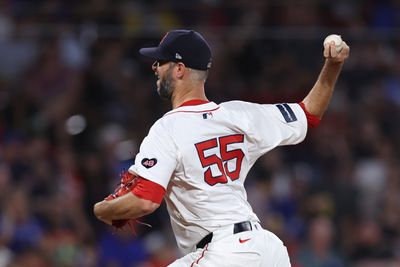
(183, 96)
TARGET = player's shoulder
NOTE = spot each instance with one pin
(168, 121)
(161, 127)
(233, 104)
(239, 105)
(287, 110)
(162, 123)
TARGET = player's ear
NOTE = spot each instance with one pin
(180, 70)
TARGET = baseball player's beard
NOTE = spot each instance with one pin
(166, 87)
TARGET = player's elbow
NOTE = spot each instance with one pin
(97, 209)
(100, 209)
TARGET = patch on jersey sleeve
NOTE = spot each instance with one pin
(148, 163)
(287, 112)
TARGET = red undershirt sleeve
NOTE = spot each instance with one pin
(312, 120)
(149, 190)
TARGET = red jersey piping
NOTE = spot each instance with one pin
(192, 111)
(194, 102)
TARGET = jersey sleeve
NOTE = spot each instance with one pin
(312, 120)
(149, 190)
(157, 157)
(276, 125)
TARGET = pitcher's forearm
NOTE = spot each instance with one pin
(125, 207)
(317, 100)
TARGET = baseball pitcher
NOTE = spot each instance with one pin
(196, 157)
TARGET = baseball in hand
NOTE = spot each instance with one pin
(337, 39)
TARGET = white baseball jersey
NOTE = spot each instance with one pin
(201, 155)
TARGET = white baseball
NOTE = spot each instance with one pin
(337, 39)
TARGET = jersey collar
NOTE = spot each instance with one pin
(194, 102)
(194, 106)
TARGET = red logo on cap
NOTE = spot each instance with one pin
(164, 37)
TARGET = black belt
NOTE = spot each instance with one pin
(237, 228)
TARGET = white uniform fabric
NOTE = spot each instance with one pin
(257, 248)
(201, 155)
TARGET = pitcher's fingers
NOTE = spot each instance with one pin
(346, 50)
(333, 51)
(326, 51)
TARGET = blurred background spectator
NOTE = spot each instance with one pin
(319, 251)
(76, 100)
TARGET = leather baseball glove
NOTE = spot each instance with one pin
(128, 182)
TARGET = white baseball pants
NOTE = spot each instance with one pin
(256, 248)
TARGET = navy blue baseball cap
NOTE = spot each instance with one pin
(186, 46)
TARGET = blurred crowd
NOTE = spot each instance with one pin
(76, 100)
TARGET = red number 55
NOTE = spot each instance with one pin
(222, 163)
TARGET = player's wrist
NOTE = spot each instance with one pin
(334, 62)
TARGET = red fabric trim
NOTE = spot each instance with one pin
(191, 111)
(194, 102)
(201, 256)
(149, 190)
(312, 120)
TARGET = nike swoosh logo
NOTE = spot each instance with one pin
(243, 240)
